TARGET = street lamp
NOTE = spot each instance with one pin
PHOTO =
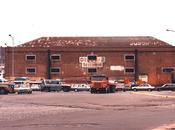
(173, 72)
(170, 30)
(12, 54)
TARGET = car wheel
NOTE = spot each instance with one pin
(66, 89)
(2, 91)
(76, 90)
(48, 89)
(135, 89)
(92, 90)
(149, 90)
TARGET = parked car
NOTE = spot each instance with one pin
(80, 87)
(51, 85)
(22, 85)
(65, 87)
(6, 88)
(169, 86)
(21, 81)
(119, 86)
(35, 85)
(22, 88)
(144, 86)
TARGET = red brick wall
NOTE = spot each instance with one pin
(150, 62)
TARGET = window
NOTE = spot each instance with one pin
(31, 70)
(55, 70)
(92, 57)
(129, 57)
(30, 57)
(129, 70)
(55, 57)
(92, 70)
(168, 69)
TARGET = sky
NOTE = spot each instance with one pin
(27, 20)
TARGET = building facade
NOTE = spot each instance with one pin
(2, 62)
(76, 58)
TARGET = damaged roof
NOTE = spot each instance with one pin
(132, 41)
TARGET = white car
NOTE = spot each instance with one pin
(119, 86)
(22, 86)
(80, 87)
(35, 85)
(144, 86)
(22, 89)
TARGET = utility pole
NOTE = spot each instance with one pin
(12, 54)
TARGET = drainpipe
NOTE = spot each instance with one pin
(173, 77)
(49, 65)
(136, 65)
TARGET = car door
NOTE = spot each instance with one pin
(164, 87)
(172, 87)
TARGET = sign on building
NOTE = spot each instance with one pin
(119, 68)
(143, 78)
(92, 65)
(98, 63)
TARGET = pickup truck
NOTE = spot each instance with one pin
(51, 85)
(54, 85)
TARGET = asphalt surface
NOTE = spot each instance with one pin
(84, 111)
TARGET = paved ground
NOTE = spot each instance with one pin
(84, 111)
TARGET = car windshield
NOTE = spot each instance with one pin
(169, 85)
(19, 82)
(52, 82)
(21, 78)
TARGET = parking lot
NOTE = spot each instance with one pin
(83, 111)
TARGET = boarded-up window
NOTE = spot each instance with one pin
(129, 57)
(168, 69)
(129, 70)
(30, 70)
(30, 57)
(55, 57)
(92, 70)
(55, 70)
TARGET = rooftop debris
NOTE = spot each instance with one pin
(146, 41)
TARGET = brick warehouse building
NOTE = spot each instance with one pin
(76, 58)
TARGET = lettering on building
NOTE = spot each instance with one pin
(98, 63)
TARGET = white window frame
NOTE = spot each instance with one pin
(55, 55)
(55, 68)
(125, 55)
(30, 59)
(129, 72)
(30, 68)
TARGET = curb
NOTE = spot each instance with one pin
(165, 127)
(155, 95)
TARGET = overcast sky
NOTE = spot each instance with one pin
(27, 20)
